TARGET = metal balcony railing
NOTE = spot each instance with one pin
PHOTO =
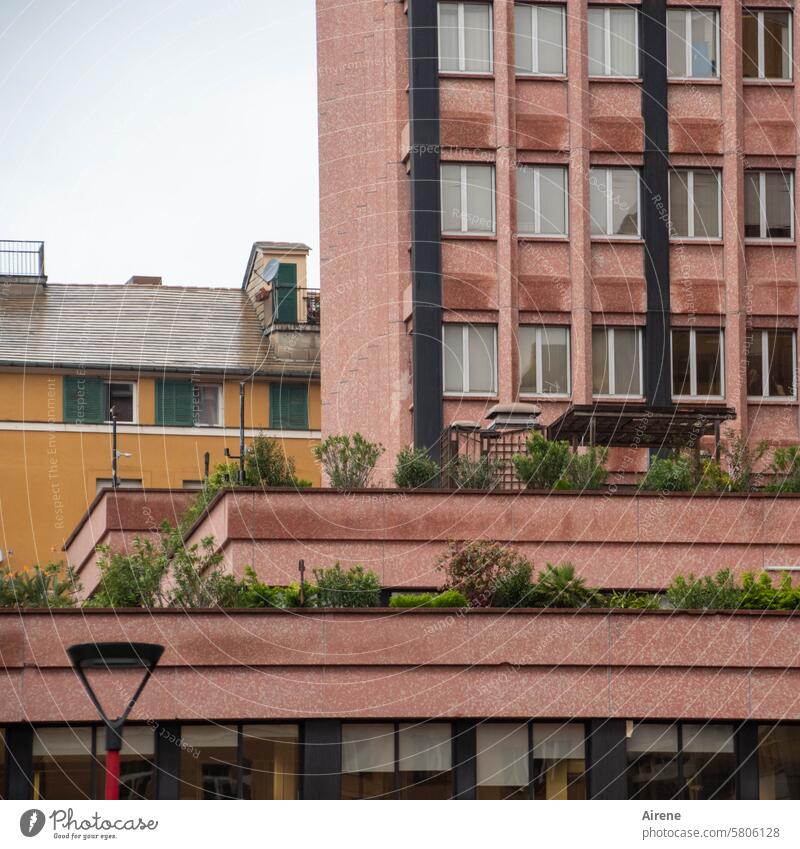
(21, 259)
(309, 306)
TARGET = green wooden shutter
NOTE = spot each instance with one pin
(286, 294)
(288, 406)
(174, 402)
(84, 400)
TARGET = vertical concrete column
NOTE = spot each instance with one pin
(737, 299)
(606, 767)
(168, 760)
(322, 759)
(506, 193)
(580, 244)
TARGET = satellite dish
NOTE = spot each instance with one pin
(269, 271)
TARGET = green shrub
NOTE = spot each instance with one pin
(712, 478)
(785, 470)
(267, 464)
(713, 592)
(224, 476)
(741, 459)
(300, 483)
(411, 600)
(356, 587)
(135, 579)
(631, 600)
(348, 461)
(587, 470)
(51, 586)
(476, 568)
(669, 474)
(415, 469)
(557, 586)
(514, 588)
(761, 594)
(482, 473)
(449, 598)
(544, 464)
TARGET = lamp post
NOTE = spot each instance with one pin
(111, 656)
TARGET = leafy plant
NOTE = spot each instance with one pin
(631, 600)
(712, 592)
(415, 469)
(356, 587)
(544, 464)
(134, 579)
(741, 459)
(712, 478)
(557, 586)
(514, 588)
(481, 473)
(761, 594)
(669, 474)
(411, 600)
(51, 586)
(348, 461)
(587, 470)
(267, 464)
(449, 598)
(196, 579)
(785, 469)
(224, 476)
(477, 568)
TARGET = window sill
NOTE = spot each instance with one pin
(543, 396)
(636, 398)
(770, 243)
(542, 237)
(615, 79)
(687, 240)
(625, 240)
(771, 401)
(465, 75)
(712, 81)
(479, 237)
(469, 396)
(698, 399)
(778, 83)
(559, 78)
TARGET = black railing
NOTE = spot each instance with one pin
(309, 306)
(21, 259)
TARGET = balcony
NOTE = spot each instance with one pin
(293, 323)
(22, 262)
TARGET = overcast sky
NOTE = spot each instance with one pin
(158, 137)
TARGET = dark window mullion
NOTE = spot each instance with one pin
(531, 776)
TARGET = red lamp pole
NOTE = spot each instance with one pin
(112, 774)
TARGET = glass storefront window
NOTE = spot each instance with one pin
(779, 761)
(2, 763)
(208, 762)
(502, 761)
(653, 762)
(63, 764)
(270, 762)
(425, 761)
(137, 771)
(709, 761)
(367, 761)
(559, 763)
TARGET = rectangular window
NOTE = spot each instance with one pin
(771, 357)
(270, 761)
(540, 760)
(174, 403)
(766, 44)
(470, 358)
(617, 361)
(540, 44)
(288, 406)
(697, 363)
(120, 397)
(397, 760)
(768, 204)
(88, 400)
(467, 198)
(544, 360)
(542, 200)
(614, 201)
(779, 762)
(692, 43)
(695, 204)
(63, 763)
(465, 38)
(613, 42)
(207, 405)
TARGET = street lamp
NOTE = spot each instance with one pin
(111, 656)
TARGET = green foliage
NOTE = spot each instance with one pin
(196, 579)
(634, 601)
(760, 593)
(477, 568)
(544, 464)
(267, 464)
(712, 478)
(587, 470)
(712, 592)
(481, 473)
(356, 587)
(52, 586)
(135, 579)
(449, 598)
(411, 600)
(415, 469)
(224, 476)
(348, 461)
(557, 586)
(669, 474)
(785, 469)
(514, 588)
(300, 483)
(741, 459)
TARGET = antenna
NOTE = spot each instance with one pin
(270, 271)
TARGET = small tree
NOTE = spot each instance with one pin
(357, 587)
(478, 568)
(544, 465)
(587, 470)
(348, 461)
(415, 469)
(785, 470)
(132, 580)
(267, 464)
(481, 473)
(558, 586)
(741, 459)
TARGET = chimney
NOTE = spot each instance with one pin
(139, 280)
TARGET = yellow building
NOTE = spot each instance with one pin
(170, 360)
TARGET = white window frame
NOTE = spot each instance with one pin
(693, 365)
(609, 175)
(537, 204)
(765, 364)
(607, 44)
(466, 391)
(687, 34)
(611, 361)
(534, 34)
(762, 204)
(462, 59)
(134, 400)
(464, 196)
(220, 404)
(759, 14)
(527, 393)
(690, 172)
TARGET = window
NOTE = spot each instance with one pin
(465, 37)
(207, 405)
(239, 762)
(540, 39)
(88, 400)
(697, 363)
(288, 406)
(422, 768)
(767, 44)
(467, 198)
(681, 761)
(542, 200)
(120, 397)
(470, 358)
(508, 754)
(617, 361)
(768, 204)
(779, 761)
(614, 201)
(692, 43)
(771, 357)
(175, 403)
(544, 360)
(122, 483)
(613, 42)
(695, 204)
